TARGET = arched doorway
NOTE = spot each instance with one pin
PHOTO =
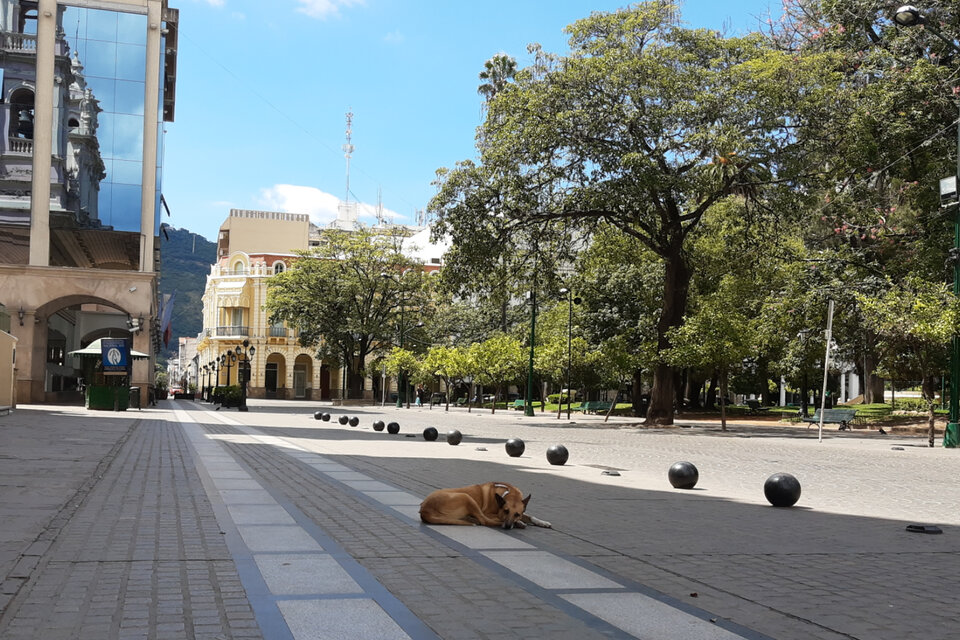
(302, 372)
(275, 376)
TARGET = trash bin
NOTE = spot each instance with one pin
(135, 397)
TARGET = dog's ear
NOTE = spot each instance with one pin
(500, 500)
(526, 500)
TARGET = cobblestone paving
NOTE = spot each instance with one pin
(142, 557)
(456, 597)
(839, 565)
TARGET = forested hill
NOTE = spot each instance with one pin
(185, 261)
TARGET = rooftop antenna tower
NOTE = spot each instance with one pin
(348, 151)
(380, 206)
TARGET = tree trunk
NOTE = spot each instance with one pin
(872, 383)
(710, 397)
(723, 398)
(676, 287)
(763, 372)
(691, 394)
(638, 392)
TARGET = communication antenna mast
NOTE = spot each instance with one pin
(348, 151)
(380, 206)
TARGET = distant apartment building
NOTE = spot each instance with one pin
(252, 247)
(86, 86)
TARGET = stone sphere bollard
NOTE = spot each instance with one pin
(393, 427)
(454, 437)
(683, 475)
(430, 434)
(343, 419)
(379, 425)
(325, 417)
(354, 421)
(318, 415)
(557, 454)
(782, 490)
(515, 447)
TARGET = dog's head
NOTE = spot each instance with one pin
(511, 505)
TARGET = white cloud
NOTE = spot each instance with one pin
(320, 205)
(394, 37)
(325, 8)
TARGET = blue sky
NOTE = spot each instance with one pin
(263, 89)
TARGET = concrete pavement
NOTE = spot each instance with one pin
(182, 522)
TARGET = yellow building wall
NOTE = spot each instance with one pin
(8, 346)
(263, 232)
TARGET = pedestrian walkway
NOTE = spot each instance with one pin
(182, 522)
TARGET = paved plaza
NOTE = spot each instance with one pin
(178, 521)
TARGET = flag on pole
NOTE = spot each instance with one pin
(166, 316)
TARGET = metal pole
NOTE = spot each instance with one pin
(400, 383)
(826, 368)
(951, 435)
(528, 410)
(569, 348)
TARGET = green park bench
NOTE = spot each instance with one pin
(842, 417)
(754, 407)
(519, 403)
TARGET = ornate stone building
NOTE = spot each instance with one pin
(86, 87)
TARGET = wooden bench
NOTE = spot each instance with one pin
(754, 407)
(842, 417)
(461, 401)
(519, 403)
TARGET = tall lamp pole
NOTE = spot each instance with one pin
(528, 405)
(910, 16)
(570, 302)
(400, 383)
(243, 370)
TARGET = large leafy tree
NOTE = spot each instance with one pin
(891, 134)
(642, 128)
(914, 320)
(496, 362)
(338, 300)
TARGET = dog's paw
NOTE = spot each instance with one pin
(540, 523)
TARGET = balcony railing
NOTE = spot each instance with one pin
(22, 146)
(221, 332)
(279, 332)
(19, 42)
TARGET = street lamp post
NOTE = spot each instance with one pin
(243, 370)
(910, 16)
(570, 302)
(528, 405)
(226, 360)
(203, 390)
(400, 383)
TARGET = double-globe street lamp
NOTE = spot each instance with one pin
(910, 16)
(245, 353)
(226, 360)
(204, 374)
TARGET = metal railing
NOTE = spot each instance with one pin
(232, 331)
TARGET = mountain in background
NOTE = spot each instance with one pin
(185, 259)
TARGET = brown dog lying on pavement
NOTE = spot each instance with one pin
(493, 504)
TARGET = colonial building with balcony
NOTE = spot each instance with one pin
(252, 247)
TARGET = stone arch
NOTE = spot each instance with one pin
(302, 376)
(275, 376)
(62, 325)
